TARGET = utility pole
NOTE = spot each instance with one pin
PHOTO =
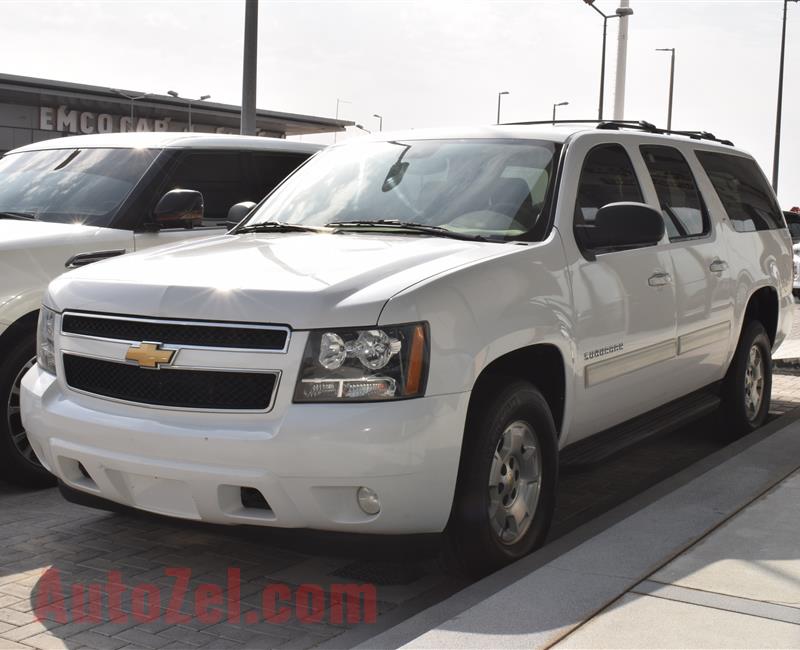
(622, 62)
(249, 68)
(777, 159)
(671, 83)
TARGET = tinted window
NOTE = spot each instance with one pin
(607, 177)
(684, 212)
(71, 185)
(219, 176)
(270, 169)
(743, 190)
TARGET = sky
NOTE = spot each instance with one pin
(435, 63)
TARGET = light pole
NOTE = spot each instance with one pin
(499, 97)
(338, 103)
(380, 122)
(131, 98)
(620, 13)
(777, 159)
(361, 126)
(172, 93)
(555, 106)
(247, 124)
(671, 83)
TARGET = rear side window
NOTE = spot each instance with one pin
(271, 168)
(219, 176)
(684, 212)
(607, 177)
(743, 190)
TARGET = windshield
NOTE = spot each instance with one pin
(480, 188)
(71, 185)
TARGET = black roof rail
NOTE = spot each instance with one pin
(641, 125)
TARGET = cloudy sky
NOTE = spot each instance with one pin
(434, 63)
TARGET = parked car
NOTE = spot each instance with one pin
(409, 332)
(70, 201)
(793, 223)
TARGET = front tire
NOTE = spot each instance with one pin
(505, 495)
(747, 387)
(18, 462)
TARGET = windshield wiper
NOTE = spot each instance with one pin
(26, 216)
(275, 226)
(410, 226)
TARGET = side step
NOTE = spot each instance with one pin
(656, 422)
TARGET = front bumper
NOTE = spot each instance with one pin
(307, 462)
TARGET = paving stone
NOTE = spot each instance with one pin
(142, 638)
(95, 641)
(637, 621)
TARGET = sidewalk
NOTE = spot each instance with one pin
(707, 559)
(737, 588)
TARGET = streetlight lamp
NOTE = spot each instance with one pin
(555, 106)
(499, 97)
(131, 98)
(777, 159)
(188, 101)
(671, 83)
(380, 123)
(338, 103)
(620, 13)
(361, 126)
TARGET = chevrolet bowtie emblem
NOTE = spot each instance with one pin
(149, 355)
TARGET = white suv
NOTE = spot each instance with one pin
(406, 334)
(70, 201)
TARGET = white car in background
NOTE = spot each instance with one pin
(413, 331)
(793, 223)
(70, 201)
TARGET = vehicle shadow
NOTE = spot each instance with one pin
(83, 547)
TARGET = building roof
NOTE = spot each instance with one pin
(172, 140)
(46, 92)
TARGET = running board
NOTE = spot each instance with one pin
(656, 422)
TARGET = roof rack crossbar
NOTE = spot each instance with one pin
(640, 125)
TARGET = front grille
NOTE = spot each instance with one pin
(201, 389)
(212, 335)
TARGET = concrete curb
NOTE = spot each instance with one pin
(792, 363)
(542, 598)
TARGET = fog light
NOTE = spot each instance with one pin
(368, 501)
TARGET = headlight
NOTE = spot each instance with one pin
(364, 364)
(45, 343)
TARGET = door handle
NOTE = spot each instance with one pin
(718, 266)
(659, 279)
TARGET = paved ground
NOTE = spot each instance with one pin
(737, 588)
(38, 530)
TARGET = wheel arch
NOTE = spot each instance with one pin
(542, 364)
(763, 305)
(23, 324)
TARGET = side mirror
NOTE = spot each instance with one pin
(238, 212)
(179, 209)
(619, 225)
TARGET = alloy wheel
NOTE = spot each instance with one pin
(754, 382)
(515, 481)
(19, 437)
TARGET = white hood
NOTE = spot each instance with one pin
(304, 280)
